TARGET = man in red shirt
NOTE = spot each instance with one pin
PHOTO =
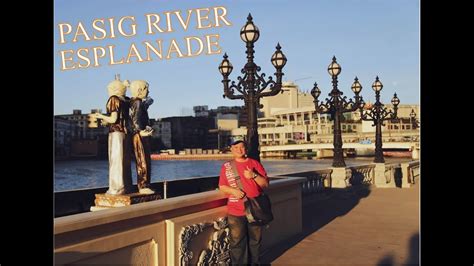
(244, 237)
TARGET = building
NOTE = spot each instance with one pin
(63, 134)
(290, 98)
(405, 122)
(88, 136)
(190, 132)
(162, 133)
(290, 117)
(88, 126)
(239, 111)
(225, 119)
(201, 111)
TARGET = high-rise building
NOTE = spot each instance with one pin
(290, 98)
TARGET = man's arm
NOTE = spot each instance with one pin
(261, 181)
(232, 191)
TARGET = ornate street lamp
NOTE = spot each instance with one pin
(252, 85)
(414, 122)
(378, 113)
(336, 105)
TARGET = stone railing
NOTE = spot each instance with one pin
(378, 174)
(387, 175)
(410, 173)
(316, 182)
(393, 174)
(362, 175)
(79, 201)
(415, 172)
(183, 230)
(322, 180)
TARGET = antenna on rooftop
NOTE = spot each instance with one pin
(302, 78)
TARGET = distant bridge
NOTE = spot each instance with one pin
(348, 145)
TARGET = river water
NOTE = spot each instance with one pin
(80, 174)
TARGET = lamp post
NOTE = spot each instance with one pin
(336, 105)
(252, 85)
(414, 123)
(378, 113)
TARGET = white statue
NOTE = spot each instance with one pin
(118, 120)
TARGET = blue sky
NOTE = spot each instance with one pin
(368, 37)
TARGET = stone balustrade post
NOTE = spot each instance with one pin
(381, 179)
(415, 153)
(340, 177)
(406, 175)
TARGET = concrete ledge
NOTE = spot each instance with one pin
(89, 219)
(150, 233)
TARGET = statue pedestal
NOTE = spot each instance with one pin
(107, 201)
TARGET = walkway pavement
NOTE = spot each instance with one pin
(368, 226)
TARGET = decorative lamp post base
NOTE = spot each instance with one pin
(340, 177)
(383, 178)
(339, 164)
(379, 160)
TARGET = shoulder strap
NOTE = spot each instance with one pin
(237, 177)
(236, 174)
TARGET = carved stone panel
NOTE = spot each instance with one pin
(217, 252)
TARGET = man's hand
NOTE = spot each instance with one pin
(249, 173)
(238, 193)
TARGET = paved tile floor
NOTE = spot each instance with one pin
(369, 226)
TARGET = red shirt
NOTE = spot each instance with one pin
(235, 206)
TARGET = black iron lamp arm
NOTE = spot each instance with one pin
(346, 106)
(324, 108)
(275, 86)
(229, 91)
(367, 116)
(241, 85)
(351, 106)
(262, 83)
(390, 115)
